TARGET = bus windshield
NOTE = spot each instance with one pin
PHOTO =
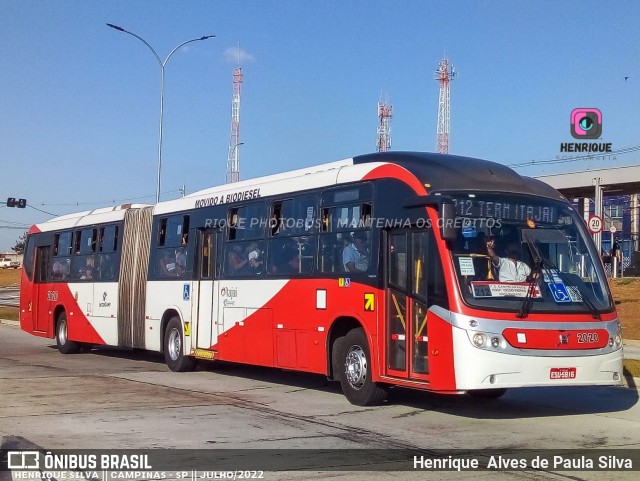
(526, 254)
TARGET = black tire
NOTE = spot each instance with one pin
(65, 346)
(336, 365)
(174, 348)
(487, 393)
(354, 370)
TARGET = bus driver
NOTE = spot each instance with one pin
(510, 267)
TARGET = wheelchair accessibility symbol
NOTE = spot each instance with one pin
(559, 292)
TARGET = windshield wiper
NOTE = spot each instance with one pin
(538, 265)
(545, 265)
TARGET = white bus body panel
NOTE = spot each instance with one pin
(475, 367)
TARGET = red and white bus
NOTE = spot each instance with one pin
(373, 271)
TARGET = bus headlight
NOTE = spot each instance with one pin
(495, 342)
(618, 340)
(479, 339)
(611, 342)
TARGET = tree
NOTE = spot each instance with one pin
(19, 247)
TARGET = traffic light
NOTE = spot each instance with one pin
(13, 202)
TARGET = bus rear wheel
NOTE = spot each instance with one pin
(174, 348)
(65, 346)
(354, 370)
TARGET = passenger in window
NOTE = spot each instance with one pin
(354, 255)
(292, 266)
(255, 258)
(86, 275)
(510, 267)
(60, 269)
(237, 260)
(167, 264)
(181, 262)
(88, 271)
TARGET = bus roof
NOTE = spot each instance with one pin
(88, 217)
(438, 172)
(449, 173)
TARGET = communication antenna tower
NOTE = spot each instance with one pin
(444, 75)
(233, 159)
(385, 113)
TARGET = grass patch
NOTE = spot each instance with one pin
(626, 294)
(624, 281)
(10, 313)
(10, 277)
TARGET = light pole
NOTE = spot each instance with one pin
(162, 65)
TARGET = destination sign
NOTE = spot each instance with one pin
(505, 209)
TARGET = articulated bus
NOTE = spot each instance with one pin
(381, 270)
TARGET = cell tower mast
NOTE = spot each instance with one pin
(385, 112)
(444, 75)
(233, 159)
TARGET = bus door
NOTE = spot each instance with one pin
(207, 288)
(406, 317)
(42, 292)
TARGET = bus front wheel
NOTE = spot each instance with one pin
(174, 348)
(65, 346)
(354, 368)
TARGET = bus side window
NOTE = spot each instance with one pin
(29, 255)
(162, 231)
(247, 222)
(275, 220)
(291, 256)
(106, 257)
(325, 220)
(77, 242)
(61, 261)
(170, 258)
(244, 258)
(296, 216)
(233, 224)
(330, 257)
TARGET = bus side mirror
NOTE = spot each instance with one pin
(447, 221)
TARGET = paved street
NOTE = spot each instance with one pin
(128, 399)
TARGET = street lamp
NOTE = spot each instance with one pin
(162, 65)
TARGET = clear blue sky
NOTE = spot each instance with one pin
(79, 102)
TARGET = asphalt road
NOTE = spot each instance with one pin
(10, 296)
(110, 398)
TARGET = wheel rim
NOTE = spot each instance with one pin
(174, 344)
(356, 367)
(62, 331)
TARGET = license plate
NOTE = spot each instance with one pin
(562, 373)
